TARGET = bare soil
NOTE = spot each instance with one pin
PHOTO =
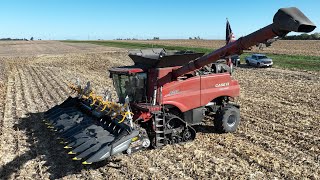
(278, 136)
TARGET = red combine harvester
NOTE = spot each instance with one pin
(160, 97)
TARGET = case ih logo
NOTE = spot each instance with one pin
(222, 84)
(173, 92)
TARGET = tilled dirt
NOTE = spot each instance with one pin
(278, 136)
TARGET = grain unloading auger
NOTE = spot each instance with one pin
(160, 97)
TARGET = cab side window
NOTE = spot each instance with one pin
(254, 57)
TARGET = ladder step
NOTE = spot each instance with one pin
(159, 130)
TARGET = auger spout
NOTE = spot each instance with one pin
(284, 21)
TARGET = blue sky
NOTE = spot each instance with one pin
(79, 19)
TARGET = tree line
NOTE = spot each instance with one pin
(304, 36)
(154, 38)
(17, 39)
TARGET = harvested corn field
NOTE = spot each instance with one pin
(278, 136)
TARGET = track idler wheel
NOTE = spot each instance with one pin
(177, 130)
(188, 135)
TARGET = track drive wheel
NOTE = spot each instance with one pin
(227, 119)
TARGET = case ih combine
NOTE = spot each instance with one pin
(160, 97)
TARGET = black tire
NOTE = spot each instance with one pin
(247, 62)
(258, 64)
(227, 119)
(238, 63)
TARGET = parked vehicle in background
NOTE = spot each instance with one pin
(235, 60)
(259, 60)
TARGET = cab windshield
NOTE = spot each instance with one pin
(132, 86)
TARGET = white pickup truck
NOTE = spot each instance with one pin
(259, 60)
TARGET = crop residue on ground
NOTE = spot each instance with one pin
(278, 135)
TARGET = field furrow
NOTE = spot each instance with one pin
(60, 82)
(9, 142)
(54, 95)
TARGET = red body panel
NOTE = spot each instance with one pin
(217, 85)
(184, 94)
(192, 92)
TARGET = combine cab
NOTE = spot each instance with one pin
(161, 97)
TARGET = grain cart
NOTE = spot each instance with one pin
(161, 97)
